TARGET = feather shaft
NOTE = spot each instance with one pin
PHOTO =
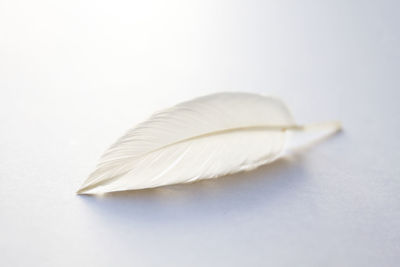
(203, 138)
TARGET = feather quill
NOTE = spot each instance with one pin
(204, 138)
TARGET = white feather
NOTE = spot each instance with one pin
(207, 137)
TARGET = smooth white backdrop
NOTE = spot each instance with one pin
(75, 75)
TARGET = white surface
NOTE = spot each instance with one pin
(75, 75)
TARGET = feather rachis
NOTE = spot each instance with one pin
(204, 138)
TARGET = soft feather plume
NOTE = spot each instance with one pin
(206, 137)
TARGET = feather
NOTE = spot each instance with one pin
(204, 138)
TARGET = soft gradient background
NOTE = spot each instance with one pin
(74, 75)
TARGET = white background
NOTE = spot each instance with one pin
(75, 75)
